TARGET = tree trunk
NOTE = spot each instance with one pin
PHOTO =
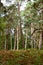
(11, 40)
(21, 34)
(32, 29)
(17, 39)
(26, 38)
(40, 41)
(34, 42)
(15, 43)
(5, 41)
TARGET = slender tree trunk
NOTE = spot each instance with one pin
(5, 44)
(40, 38)
(34, 42)
(26, 38)
(40, 41)
(15, 43)
(32, 29)
(11, 40)
(17, 39)
(34, 39)
(5, 41)
(21, 33)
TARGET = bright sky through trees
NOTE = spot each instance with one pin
(6, 4)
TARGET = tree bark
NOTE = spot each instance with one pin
(40, 40)
(26, 38)
(11, 40)
(35, 42)
(32, 29)
(5, 41)
(17, 39)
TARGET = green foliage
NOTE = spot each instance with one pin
(13, 18)
(2, 23)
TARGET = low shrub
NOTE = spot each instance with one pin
(21, 57)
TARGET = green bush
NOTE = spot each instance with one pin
(21, 57)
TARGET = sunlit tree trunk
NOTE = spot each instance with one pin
(15, 43)
(17, 38)
(32, 29)
(40, 40)
(40, 37)
(26, 38)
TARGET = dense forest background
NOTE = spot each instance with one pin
(21, 29)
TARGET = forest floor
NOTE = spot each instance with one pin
(21, 57)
